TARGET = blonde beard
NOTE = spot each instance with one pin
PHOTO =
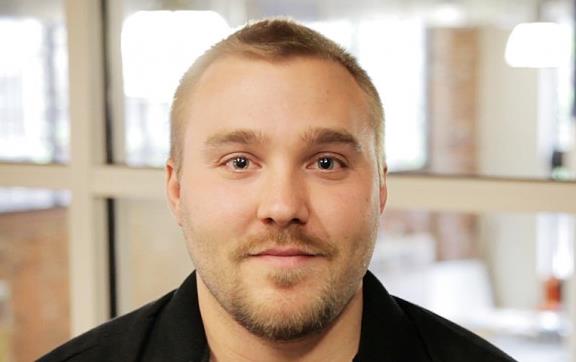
(269, 317)
(285, 320)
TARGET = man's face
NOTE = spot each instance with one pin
(279, 196)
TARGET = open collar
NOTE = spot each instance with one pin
(387, 334)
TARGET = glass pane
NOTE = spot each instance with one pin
(34, 291)
(33, 82)
(504, 276)
(453, 104)
(151, 252)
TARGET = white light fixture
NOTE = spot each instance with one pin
(537, 45)
(448, 13)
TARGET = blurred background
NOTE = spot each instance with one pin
(480, 142)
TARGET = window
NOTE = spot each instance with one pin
(460, 126)
(33, 90)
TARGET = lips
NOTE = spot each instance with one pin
(289, 252)
(288, 257)
(289, 243)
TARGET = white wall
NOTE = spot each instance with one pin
(508, 144)
(508, 113)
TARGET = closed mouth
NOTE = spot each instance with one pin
(285, 252)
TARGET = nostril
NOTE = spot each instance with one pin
(268, 221)
(280, 204)
(296, 221)
(273, 221)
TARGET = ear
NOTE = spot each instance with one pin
(383, 189)
(173, 190)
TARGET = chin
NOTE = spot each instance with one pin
(278, 318)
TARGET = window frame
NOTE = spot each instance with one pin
(90, 180)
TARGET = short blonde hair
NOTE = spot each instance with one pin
(274, 39)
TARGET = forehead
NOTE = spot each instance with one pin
(275, 97)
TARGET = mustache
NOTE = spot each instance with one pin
(293, 237)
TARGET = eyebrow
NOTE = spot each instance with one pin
(313, 136)
(239, 136)
(321, 136)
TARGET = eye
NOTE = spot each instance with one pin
(238, 163)
(329, 163)
(325, 163)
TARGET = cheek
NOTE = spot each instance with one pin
(352, 222)
(216, 207)
(347, 204)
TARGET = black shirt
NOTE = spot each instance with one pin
(171, 329)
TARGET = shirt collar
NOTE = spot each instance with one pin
(387, 332)
(178, 334)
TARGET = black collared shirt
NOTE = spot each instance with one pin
(171, 329)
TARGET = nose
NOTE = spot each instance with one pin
(283, 200)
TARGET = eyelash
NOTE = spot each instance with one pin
(339, 163)
(229, 162)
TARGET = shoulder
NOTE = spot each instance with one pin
(119, 339)
(447, 341)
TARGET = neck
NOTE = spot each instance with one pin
(229, 341)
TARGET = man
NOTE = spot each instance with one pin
(277, 178)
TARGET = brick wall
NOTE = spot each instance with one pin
(34, 266)
(452, 86)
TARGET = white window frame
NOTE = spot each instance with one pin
(90, 180)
